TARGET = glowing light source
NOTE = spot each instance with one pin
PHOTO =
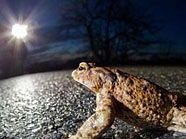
(19, 31)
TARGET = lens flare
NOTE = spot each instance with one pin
(19, 31)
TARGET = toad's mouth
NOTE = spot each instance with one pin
(75, 76)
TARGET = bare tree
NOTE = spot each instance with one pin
(111, 26)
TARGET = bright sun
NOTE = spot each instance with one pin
(19, 31)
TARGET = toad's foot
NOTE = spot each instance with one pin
(178, 122)
(76, 137)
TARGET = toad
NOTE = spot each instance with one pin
(134, 100)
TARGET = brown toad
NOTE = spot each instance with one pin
(135, 100)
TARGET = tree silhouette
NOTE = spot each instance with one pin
(112, 27)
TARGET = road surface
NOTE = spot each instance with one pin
(52, 105)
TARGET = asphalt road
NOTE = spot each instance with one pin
(52, 105)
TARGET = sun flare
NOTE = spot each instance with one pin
(19, 31)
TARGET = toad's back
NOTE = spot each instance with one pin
(143, 100)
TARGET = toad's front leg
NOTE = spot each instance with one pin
(100, 121)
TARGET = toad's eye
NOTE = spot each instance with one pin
(81, 68)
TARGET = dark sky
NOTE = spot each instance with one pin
(42, 12)
(171, 14)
